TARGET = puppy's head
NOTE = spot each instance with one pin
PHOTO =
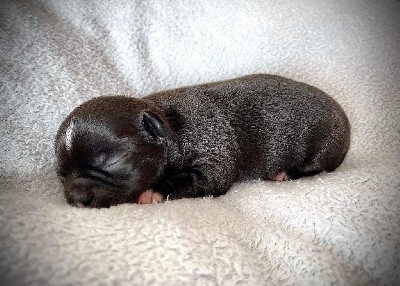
(109, 150)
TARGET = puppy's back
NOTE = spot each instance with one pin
(278, 123)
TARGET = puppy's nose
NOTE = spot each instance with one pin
(82, 192)
(82, 199)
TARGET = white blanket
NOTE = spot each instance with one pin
(337, 228)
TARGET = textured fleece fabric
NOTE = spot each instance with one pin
(338, 228)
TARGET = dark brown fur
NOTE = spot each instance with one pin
(197, 141)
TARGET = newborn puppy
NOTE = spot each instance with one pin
(197, 141)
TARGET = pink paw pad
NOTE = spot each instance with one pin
(149, 197)
(280, 177)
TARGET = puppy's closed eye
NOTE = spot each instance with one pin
(99, 175)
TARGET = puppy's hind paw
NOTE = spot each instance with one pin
(280, 177)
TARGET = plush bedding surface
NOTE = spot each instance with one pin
(338, 228)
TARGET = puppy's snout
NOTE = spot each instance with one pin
(82, 192)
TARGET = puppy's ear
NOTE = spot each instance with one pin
(153, 125)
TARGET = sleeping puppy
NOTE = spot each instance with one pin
(197, 141)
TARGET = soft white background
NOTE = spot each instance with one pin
(340, 228)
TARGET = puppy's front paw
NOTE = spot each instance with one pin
(149, 197)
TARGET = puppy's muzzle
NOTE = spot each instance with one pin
(82, 191)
